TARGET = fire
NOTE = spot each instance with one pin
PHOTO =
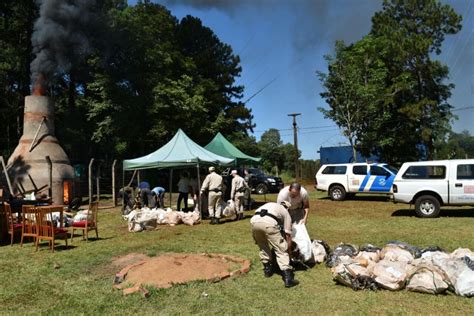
(39, 87)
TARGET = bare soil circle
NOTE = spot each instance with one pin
(165, 270)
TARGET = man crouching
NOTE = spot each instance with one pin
(271, 229)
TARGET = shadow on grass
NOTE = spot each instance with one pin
(456, 212)
(57, 247)
(376, 198)
(90, 239)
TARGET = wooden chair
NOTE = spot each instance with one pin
(47, 230)
(89, 224)
(12, 225)
(28, 222)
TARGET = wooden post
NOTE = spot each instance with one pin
(97, 180)
(90, 180)
(138, 177)
(123, 188)
(6, 176)
(50, 177)
(113, 183)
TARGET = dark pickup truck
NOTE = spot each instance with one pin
(261, 183)
(258, 181)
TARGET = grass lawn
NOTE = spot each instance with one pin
(83, 282)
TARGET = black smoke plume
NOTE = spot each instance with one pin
(59, 39)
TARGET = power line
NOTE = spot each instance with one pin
(304, 128)
(463, 109)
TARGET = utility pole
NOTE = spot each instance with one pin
(295, 137)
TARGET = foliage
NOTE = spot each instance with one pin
(457, 146)
(147, 75)
(354, 87)
(402, 108)
(16, 27)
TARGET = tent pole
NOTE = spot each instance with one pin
(199, 191)
(171, 184)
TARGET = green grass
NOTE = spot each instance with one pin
(83, 283)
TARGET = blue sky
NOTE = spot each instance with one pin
(282, 43)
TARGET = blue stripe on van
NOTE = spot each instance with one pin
(364, 183)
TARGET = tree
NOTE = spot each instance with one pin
(418, 107)
(270, 144)
(385, 91)
(354, 86)
(16, 26)
(456, 146)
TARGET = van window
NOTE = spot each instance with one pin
(335, 170)
(362, 170)
(465, 172)
(378, 171)
(425, 172)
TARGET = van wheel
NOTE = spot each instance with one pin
(261, 188)
(337, 193)
(427, 206)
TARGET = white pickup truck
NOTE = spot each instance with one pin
(430, 184)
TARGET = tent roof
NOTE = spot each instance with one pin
(180, 151)
(221, 146)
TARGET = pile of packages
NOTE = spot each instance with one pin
(399, 265)
(149, 219)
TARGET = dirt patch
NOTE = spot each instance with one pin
(131, 258)
(166, 270)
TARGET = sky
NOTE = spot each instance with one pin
(282, 45)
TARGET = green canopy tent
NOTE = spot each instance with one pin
(221, 146)
(179, 152)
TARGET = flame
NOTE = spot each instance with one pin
(39, 87)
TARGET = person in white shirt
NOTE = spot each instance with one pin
(299, 200)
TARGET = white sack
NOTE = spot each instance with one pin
(394, 253)
(319, 252)
(229, 209)
(427, 278)
(391, 275)
(301, 238)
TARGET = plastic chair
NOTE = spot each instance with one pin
(12, 225)
(89, 224)
(47, 228)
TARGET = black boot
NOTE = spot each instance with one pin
(216, 220)
(267, 269)
(241, 216)
(213, 220)
(289, 278)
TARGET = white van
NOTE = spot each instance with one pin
(340, 180)
(430, 184)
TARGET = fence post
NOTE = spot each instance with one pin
(97, 180)
(90, 180)
(113, 183)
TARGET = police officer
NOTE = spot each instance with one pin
(271, 229)
(299, 200)
(237, 193)
(213, 184)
